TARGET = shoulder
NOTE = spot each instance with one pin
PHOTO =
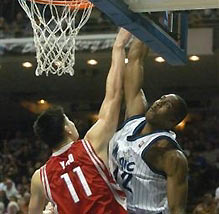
(166, 157)
(175, 162)
(175, 157)
(36, 180)
(36, 174)
(163, 147)
(37, 185)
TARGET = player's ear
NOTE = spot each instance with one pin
(68, 130)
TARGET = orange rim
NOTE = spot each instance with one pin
(83, 4)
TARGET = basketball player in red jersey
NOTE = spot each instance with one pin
(75, 178)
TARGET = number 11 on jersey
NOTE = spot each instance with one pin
(70, 186)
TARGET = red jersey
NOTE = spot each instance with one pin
(76, 181)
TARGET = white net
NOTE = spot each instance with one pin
(55, 29)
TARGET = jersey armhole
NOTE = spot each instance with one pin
(170, 140)
(43, 182)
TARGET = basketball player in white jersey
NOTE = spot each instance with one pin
(145, 157)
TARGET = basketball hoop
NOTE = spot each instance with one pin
(82, 4)
(56, 25)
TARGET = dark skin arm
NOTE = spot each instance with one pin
(163, 157)
(176, 168)
(136, 102)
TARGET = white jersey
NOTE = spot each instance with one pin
(144, 186)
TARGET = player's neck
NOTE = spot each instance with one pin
(148, 128)
(64, 143)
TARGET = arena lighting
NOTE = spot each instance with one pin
(94, 117)
(159, 59)
(92, 62)
(27, 64)
(126, 60)
(194, 58)
(41, 101)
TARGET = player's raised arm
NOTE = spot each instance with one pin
(176, 169)
(100, 134)
(134, 96)
(37, 199)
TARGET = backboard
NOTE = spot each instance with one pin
(170, 5)
(169, 38)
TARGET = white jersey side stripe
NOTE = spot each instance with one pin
(93, 158)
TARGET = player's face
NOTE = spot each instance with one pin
(162, 111)
(71, 129)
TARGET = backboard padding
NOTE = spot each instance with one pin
(146, 30)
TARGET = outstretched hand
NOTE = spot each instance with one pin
(122, 38)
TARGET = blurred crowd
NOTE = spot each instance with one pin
(21, 154)
(19, 157)
(204, 18)
(14, 23)
(200, 141)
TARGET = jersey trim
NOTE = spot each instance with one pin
(170, 140)
(91, 150)
(94, 158)
(137, 130)
(62, 149)
(42, 177)
(135, 135)
(47, 187)
(130, 119)
(47, 184)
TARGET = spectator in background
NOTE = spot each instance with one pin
(9, 188)
(207, 205)
(211, 153)
(2, 207)
(17, 142)
(3, 28)
(217, 199)
(3, 201)
(19, 25)
(217, 193)
(23, 203)
(13, 207)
